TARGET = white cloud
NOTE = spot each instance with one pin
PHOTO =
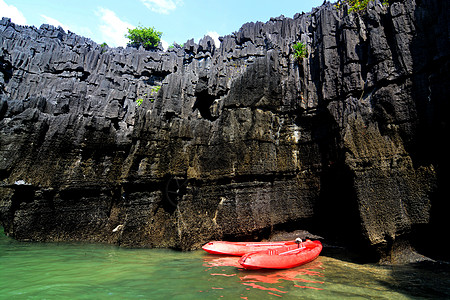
(13, 13)
(215, 37)
(112, 28)
(162, 6)
(54, 22)
(164, 44)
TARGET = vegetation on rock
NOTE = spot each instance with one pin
(153, 93)
(147, 37)
(356, 5)
(300, 51)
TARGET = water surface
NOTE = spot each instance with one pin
(86, 271)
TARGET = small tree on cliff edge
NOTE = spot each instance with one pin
(357, 5)
(148, 37)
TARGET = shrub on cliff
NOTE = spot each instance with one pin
(356, 5)
(148, 37)
(300, 51)
(154, 90)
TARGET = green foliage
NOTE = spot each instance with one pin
(148, 37)
(300, 51)
(153, 91)
(104, 47)
(176, 45)
(156, 89)
(356, 5)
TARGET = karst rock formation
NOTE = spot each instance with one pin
(238, 142)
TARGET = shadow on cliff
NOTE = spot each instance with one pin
(431, 68)
(336, 213)
(337, 217)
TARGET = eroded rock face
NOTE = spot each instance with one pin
(240, 142)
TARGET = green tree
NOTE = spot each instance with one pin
(148, 37)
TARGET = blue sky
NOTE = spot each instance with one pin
(179, 20)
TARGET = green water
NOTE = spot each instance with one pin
(85, 271)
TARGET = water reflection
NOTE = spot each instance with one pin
(274, 282)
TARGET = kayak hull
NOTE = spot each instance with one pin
(241, 248)
(285, 257)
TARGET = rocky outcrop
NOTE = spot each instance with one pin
(236, 142)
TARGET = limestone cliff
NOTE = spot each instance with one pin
(236, 142)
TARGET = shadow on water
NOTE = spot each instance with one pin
(427, 279)
(419, 281)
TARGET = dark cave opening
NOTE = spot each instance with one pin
(203, 104)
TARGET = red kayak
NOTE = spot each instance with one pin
(241, 248)
(284, 257)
